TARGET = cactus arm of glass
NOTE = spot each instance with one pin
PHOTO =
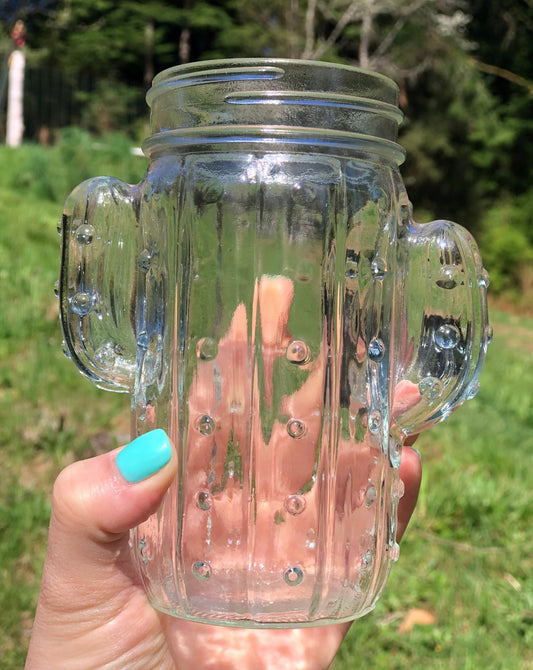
(98, 279)
(441, 322)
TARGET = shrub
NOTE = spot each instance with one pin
(507, 243)
(50, 173)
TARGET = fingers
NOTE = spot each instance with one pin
(411, 475)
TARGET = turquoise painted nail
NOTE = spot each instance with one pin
(145, 456)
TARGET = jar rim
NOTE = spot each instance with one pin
(232, 64)
(275, 93)
(378, 86)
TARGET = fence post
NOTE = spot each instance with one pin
(15, 117)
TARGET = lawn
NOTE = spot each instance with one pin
(461, 595)
(466, 568)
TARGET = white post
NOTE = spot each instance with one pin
(15, 114)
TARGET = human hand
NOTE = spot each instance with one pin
(93, 611)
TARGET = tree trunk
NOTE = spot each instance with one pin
(310, 17)
(185, 45)
(148, 54)
(366, 32)
(293, 28)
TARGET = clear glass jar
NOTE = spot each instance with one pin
(266, 299)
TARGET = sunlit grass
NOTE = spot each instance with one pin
(466, 559)
(49, 415)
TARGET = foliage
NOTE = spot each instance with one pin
(119, 40)
(40, 431)
(466, 559)
(463, 67)
(459, 146)
(109, 106)
(50, 174)
(465, 75)
(10, 10)
(507, 242)
(399, 39)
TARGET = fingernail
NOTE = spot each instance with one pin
(145, 456)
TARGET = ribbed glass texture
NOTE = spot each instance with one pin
(265, 298)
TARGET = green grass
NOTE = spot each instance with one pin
(467, 557)
(49, 415)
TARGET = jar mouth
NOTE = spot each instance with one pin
(269, 69)
(275, 93)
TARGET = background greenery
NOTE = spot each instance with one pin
(464, 67)
(461, 595)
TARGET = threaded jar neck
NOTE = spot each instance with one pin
(265, 100)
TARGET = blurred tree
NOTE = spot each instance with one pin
(401, 39)
(465, 70)
(261, 29)
(124, 40)
(12, 10)
(469, 129)
(503, 31)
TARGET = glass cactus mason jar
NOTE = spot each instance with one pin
(266, 299)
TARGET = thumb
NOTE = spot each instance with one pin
(101, 498)
(96, 502)
(88, 576)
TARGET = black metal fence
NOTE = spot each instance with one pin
(55, 100)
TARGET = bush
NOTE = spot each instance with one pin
(51, 173)
(507, 243)
(110, 106)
